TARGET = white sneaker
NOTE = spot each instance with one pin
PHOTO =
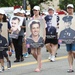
(0, 70)
(52, 59)
(49, 57)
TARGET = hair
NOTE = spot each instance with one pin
(4, 18)
(15, 18)
(34, 22)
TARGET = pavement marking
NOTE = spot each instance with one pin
(34, 62)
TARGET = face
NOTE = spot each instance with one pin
(50, 11)
(14, 24)
(70, 10)
(21, 14)
(67, 24)
(17, 14)
(35, 30)
(36, 12)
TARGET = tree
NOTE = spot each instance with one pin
(36, 2)
(63, 3)
(10, 3)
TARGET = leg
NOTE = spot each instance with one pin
(33, 52)
(53, 49)
(39, 58)
(15, 43)
(70, 59)
(20, 47)
(48, 48)
(2, 60)
(25, 53)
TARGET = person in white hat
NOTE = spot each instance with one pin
(70, 47)
(36, 12)
(22, 13)
(37, 53)
(4, 53)
(70, 9)
(16, 12)
(51, 43)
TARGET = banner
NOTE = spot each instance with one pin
(35, 33)
(66, 29)
(51, 28)
(16, 23)
(3, 36)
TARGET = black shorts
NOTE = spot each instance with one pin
(5, 54)
(53, 41)
(1, 54)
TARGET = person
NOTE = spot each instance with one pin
(36, 13)
(22, 13)
(70, 47)
(3, 19)
(35, 42)
(3, 46)
(18, 42)
(51, 33)
(68, 32)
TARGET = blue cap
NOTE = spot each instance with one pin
(48, 17)
(67, 18)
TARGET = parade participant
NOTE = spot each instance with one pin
(35, 42)
(70, 47)
(52, 42)
(3, 19)
(23, 14)
(18, 42)
(3, 44)
(36, 13)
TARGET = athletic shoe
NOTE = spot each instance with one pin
(9, 64)
(25, 55)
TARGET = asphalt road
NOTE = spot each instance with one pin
(27, 67)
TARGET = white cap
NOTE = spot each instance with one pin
(22, 11)
(16, 11)
(70, 5)
(36, 8)
(28, 13)
(51, 8)
(2, 11)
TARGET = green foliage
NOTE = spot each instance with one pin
(63, 3)
(10, 3)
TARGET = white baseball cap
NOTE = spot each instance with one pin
(2, 11)
(16, 11)
(51, 8)
(70, 5)
(22, 11)
(36, 8)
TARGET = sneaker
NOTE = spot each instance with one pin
(9, 64)
(25, 55)
(2, 68)
(49, 57)
(16, 61)
(52, 59)
(22, 59)
(70, 71)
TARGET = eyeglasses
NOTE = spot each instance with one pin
(35, 10)
(69, 8)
